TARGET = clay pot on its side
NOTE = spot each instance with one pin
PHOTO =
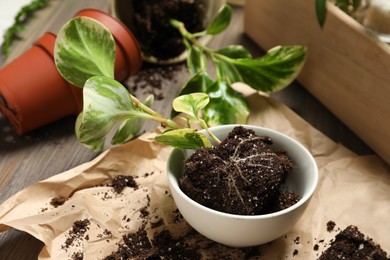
(32, 91)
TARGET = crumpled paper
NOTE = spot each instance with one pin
(352, 189)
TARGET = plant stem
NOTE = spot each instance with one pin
(206, 127)
(192, 39)
(153, 115)
(148, 110)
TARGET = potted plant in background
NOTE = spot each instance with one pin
(149, 20)
(107, 103)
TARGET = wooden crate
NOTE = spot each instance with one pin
(347, 69)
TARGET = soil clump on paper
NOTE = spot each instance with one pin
(350, 243)
(122, 181)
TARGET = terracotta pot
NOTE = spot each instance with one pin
(32, 91)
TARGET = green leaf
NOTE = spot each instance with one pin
(196, 61)
(198, 83)
(221, 21)
(275, 70)
(235, 52)
(184, 138)
(226, 106)
(84, 48)
(321, 12)
(227, 71)
(190, 104)
(106, 102)
(131, 127)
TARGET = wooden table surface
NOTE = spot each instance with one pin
(52, 149)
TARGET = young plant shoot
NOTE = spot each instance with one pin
(234, 63)
(85, 56)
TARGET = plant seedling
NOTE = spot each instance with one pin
(85, 57)
(271, 72)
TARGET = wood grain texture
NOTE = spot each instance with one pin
(347, 68)
(27, 159)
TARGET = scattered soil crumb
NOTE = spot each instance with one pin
(295, 252)
(144, 212)
(316, 247)
(350, 243)
(152, 79)
(58, 201)
(330, 225)
(76, 233)
(78, 256)
(162, 246)
(122, 181)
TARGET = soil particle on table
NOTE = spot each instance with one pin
(243, 175)
(350, 243)
(152, 26)
(152, 80)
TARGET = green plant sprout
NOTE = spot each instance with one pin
(84, 54)
(271, 72)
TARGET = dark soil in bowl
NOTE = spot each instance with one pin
(156, 35)
(243, 175)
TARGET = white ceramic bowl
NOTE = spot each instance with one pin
(243, 231)
(123, 10)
